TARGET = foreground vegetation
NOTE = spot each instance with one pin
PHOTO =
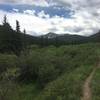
(49, 73)
(96, 85)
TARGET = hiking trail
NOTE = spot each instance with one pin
(87, 92)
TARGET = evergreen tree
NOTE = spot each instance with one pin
(17, 26)
(5, 23)
(24, 39)
(24, 31)
(5, 20)
(10, 41)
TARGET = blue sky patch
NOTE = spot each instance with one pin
(51, 10)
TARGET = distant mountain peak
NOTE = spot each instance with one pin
(51, 35)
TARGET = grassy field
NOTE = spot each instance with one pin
(69, 85)
(96, 81)
(50, 73)
(96, 85)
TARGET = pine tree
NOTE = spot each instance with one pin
(17, 26)
(24, 31)
(24, 39)
(5, 20)
(6, 24)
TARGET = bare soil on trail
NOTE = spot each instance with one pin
(87, 94)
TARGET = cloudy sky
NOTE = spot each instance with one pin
(60, 16)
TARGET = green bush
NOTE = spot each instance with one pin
(7, 62)
(58, 72)
(96, 85)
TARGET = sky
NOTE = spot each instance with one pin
(38, 17)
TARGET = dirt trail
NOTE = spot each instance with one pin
(87, 92)
(87, 95)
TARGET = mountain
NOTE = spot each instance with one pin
(95, 37)
(50, 35)
(12, 41)
(69, 37)
(61, 39)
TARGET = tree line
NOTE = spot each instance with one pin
(13, 41)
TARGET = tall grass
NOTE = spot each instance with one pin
(60, 71)
(96, 85)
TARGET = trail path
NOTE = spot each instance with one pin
(87, 92)
(87, 95)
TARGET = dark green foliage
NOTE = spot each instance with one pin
(38, 66)
(46, 64)
(13, 41)
(66, 39)
(17, 26)
(69, 85)
(58, 72)
(96, 85)
(10, 41)
(7, 62)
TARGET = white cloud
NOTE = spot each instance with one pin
(15, 10)
(30, 2)
(43, 15)
(86, 14)
(29, 22)
(30, 12)
(85, 19)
